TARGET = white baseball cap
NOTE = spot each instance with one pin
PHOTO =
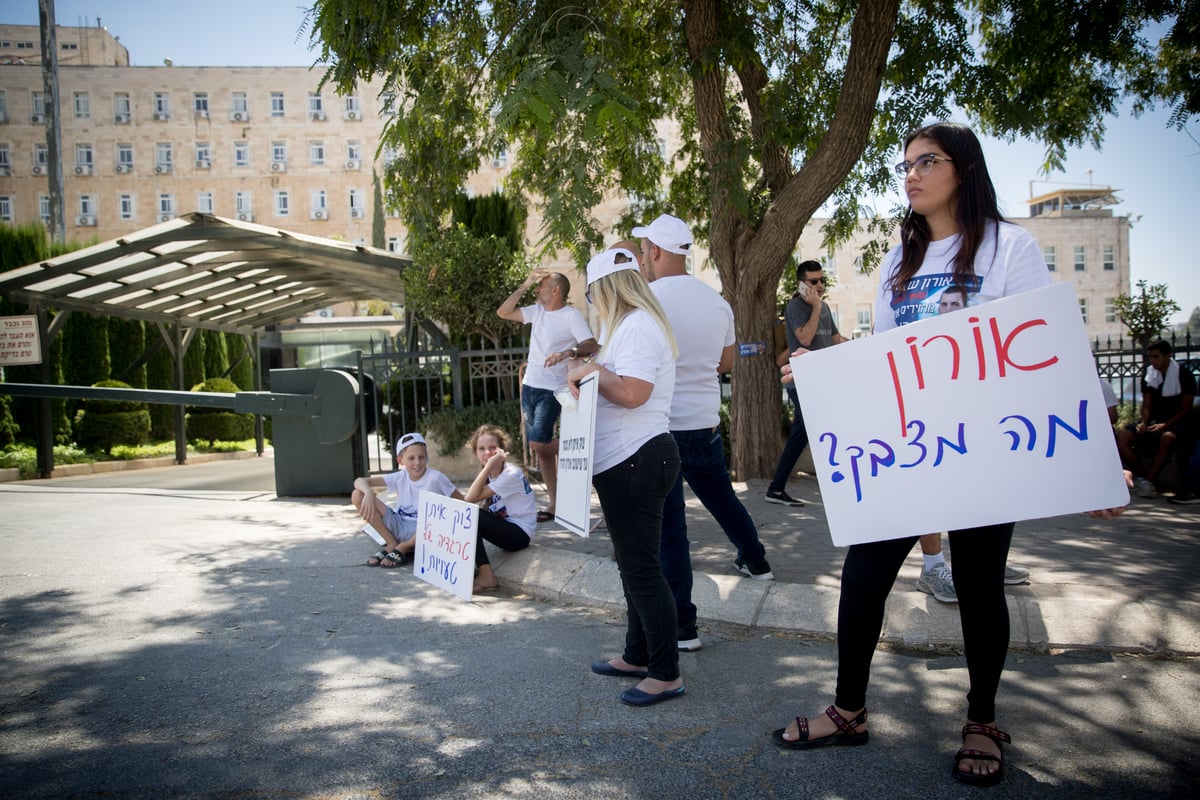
(605, 263)
(670, 233)
(407, 439)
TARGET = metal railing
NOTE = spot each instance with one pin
(1123, 364)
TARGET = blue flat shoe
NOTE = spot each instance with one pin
(605, 668)
(636, 697)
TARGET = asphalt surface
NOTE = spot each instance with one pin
(182, 632)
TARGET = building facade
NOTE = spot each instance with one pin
(141, 145)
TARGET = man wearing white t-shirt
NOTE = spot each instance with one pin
(703, 326)
(559, 333)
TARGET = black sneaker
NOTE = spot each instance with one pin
(759, 570)
(1185, 499)
(782, 498)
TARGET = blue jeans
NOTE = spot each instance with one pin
(702, 460)
(631, 497)
(796, 442)
(541, 410)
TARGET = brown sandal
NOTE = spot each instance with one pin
(845, 735)
(996, 735)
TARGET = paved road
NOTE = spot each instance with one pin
(207, 644)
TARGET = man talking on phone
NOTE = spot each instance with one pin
(808, 324)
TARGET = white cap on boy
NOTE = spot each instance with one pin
(407, 439)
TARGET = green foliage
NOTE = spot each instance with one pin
(219, 425)
(193, 361)
(460, 279)
(242, 366)
(216, 354)
(1145, 313)
(9, 429)
(160, 374)
(452, 428)
(24, 458)
(100, 431)
(111, 406)
(210, 424)
(378, 224)
(492, 215)
(126, 344)
(85, 345)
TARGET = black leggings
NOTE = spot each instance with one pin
(500, 532)
(867, 577)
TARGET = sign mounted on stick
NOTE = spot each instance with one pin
(988, 415)
(20, 340)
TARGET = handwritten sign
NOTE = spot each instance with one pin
(576, 443)
(20, 342)
(989, 415)
(447, 530)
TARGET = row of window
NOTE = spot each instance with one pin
(164, 157)
(1108, 259)
(86, 207)
(5, 45)
(201, 105)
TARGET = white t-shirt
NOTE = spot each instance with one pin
(637, 349)
(703, 326)
(408, 491)
(551, 332)
(513, 498)
(1005, 264)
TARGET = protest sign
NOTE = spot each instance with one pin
(576, 441)
(446, 539)
(20, 341)
(991, 414)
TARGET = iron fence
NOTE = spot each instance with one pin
(1123, 364)
(407, 386)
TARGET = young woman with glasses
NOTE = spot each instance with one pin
(952, 239)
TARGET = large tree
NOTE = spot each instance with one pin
(783, 105)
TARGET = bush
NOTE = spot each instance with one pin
(100, 424)
(98, 431)
(206, 423)
(216, 424)
(452, 428)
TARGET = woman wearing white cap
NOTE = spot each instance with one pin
(635, 464)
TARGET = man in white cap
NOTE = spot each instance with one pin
(559, 333)
(703, 326)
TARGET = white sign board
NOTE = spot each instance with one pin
(447, 530)
(988, 415)
(20, 341)
(576, 443)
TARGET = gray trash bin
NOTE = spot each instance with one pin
(317, 456)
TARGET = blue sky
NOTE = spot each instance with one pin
(1155, 170)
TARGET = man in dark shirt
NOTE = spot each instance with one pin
(1168, 391)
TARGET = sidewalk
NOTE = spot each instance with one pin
(1127, 584)
(1123, 585)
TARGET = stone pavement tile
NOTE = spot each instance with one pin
(1095, 622)
(726, 598)
(915, 618)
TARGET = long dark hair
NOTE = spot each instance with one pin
(976, 209)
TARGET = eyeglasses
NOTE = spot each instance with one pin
(814, 281)
(923, 164)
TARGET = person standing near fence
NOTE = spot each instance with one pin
(558, 333)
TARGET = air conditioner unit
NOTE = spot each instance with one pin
(161, 116)
(278, 166)
(351, 115)
(245, 218)
(352, 164)
(203, 163)
(165, 217)
(499, 163)
(201, 115)
(318, 215)
(5, 171)
(85, 220)
(122, 169)
(121, 119)
(83, 169)
(38, 169)
(318, 116)
(239, 116)
(3, 117)
(162, 169)
(356, 213)
(37, 119)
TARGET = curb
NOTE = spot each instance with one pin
(912, 619)
(98, 467)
